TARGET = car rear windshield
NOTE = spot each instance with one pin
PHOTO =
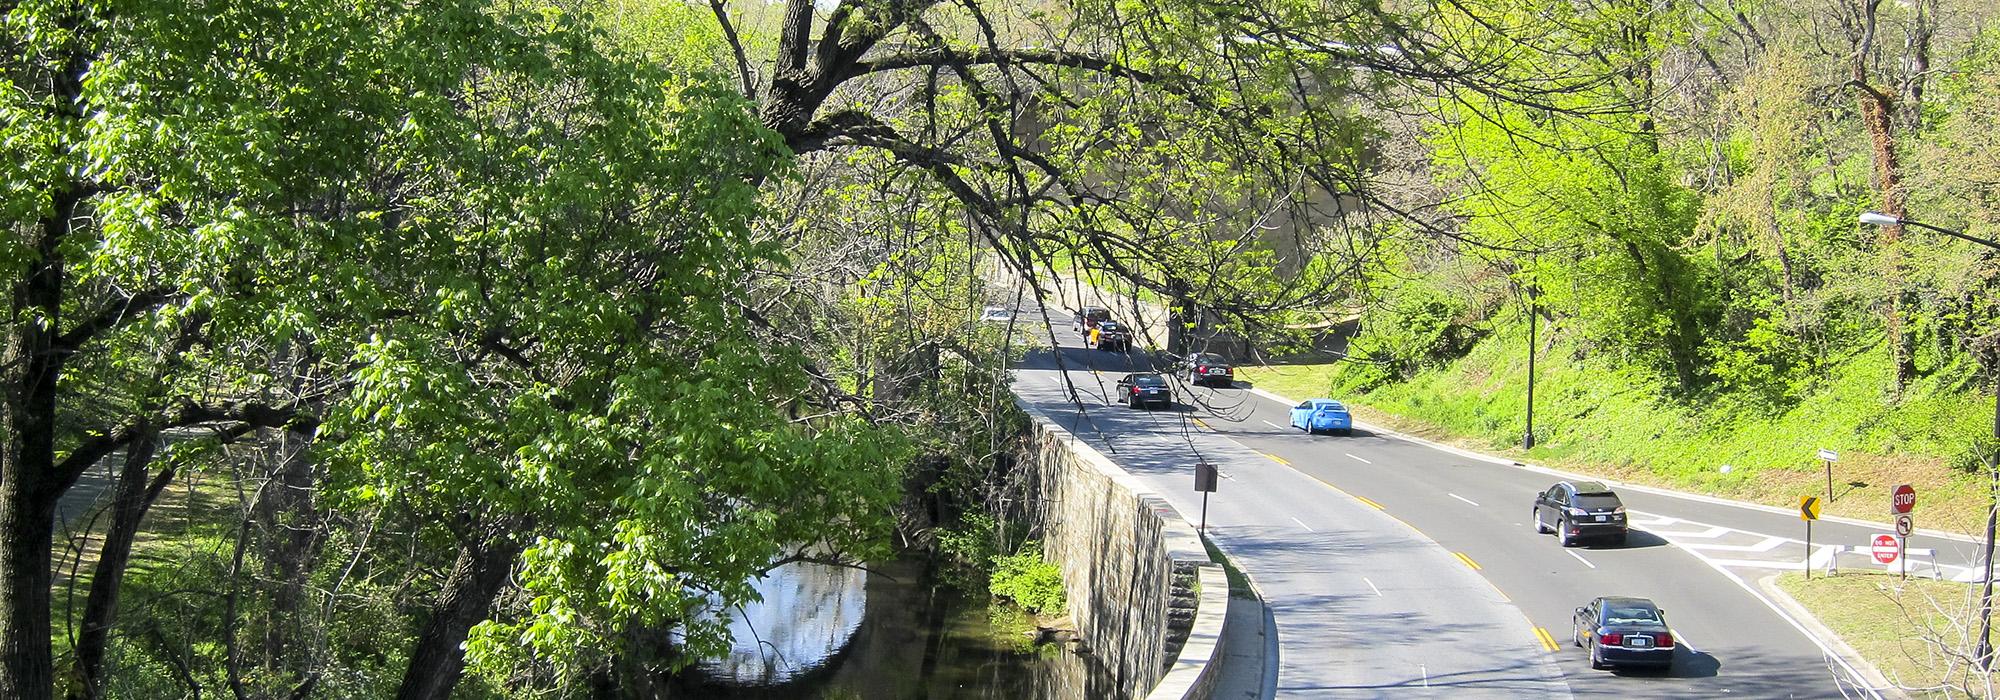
(1108, 326)
(1148, 380)
(1595, 501)
(1617, 614)
(1209, 359)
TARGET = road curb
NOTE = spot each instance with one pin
(1267, 676)
(1808, 625)
(1877, 682)
(1643, 488)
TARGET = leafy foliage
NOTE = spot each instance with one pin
(1028, 580)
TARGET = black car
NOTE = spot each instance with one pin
(1141, 390)
(1622, 632)
(1580, 510)
(1109, 335)
(1207, 368)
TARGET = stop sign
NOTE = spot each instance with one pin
(1886, 549)
(1902, 499)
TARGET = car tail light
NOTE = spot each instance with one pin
(1663, 639)
(1611, 638)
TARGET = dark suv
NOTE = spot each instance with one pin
(1580, 510)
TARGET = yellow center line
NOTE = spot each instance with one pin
(1197, 421)
(1371, 504)
(1548, 640)
(1468, 560)
(1278, 459)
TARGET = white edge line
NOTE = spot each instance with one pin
(1350, 455)
(1303, 524)
(1682, 640)
(1712, 500)
(1371, 586)
(1269, 423)
(1579, 557)
(1468, 500)
(1854, 674)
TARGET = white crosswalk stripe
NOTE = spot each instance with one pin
(1741, 549)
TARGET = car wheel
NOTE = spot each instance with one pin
(1575, 640)
(1567, 540)
(1620, 539)
(1541, 529)
(1595, 662)
(1347, 432)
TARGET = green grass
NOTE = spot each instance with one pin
(1915, 632)
(1239, 585)
(1594, 417)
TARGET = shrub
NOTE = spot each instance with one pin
(1030, 582)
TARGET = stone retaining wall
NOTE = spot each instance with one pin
(1146, 598)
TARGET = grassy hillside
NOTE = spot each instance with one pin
(1594, 417)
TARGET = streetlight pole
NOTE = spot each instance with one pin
(1982, 650)
(1528, 440)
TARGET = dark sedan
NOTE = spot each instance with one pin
(1621, 632)
(1141, 390)
(1210, 369)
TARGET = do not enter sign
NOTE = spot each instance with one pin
(1902, 499)
(1887, 549)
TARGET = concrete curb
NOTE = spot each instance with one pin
(1871, 675)
(1654, 490)
(1804, 621)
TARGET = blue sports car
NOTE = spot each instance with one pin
(1322, 416)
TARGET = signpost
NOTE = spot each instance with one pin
(1828, 456)
(1808, 511)
(1204, 481)
(1902, 503)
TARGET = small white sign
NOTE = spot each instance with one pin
(1828, 455)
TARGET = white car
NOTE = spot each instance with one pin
(996, 314)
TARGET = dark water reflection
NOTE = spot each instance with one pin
(907, 637)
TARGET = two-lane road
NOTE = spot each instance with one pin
(1390, 565)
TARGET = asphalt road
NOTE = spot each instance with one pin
(1391, 566)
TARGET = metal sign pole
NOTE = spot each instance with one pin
(1808, 550)
(1204, 513)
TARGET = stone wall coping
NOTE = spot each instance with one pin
(1195, 671)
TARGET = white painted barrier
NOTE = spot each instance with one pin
(1901, 566)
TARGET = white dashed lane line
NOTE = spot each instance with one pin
(1351, 456)
(1579, 557)
(1467, 500)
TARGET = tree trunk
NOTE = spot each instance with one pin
(476, 578)
(135, 496)
(1876, 110)
(29, 485)
(290, 539)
